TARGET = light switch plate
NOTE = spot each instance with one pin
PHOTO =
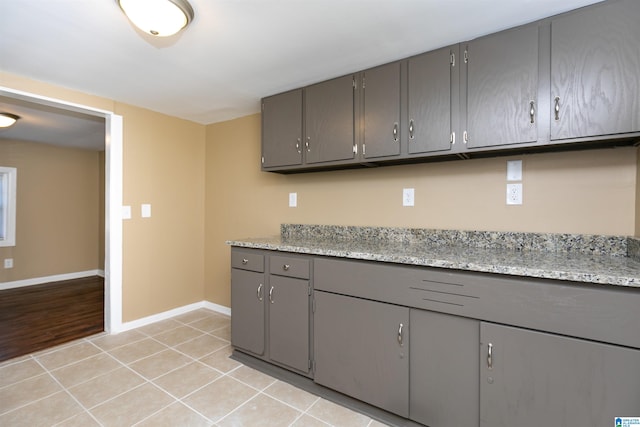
(126, 212)
(514, 170)
(145, 211)
(8, 263)
(293, 200)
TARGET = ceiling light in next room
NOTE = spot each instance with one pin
(7, 119)
(160, 18)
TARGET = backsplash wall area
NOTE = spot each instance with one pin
(586, 192)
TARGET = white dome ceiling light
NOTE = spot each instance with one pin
(160, 18)
(8, 119)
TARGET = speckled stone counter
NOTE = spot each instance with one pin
(607, 260)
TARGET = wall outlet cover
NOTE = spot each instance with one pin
(293, 200)
(408, 198)
(514, 194)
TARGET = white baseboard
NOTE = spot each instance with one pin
(172, 313)
(47, 279)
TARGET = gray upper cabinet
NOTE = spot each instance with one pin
(595, 78)
(282, 130)
(329, 123)
(502, 88)
(533, 379)
(381, 111)
(362, 350)
(431, 82)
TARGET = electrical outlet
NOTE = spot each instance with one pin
(408, 197)
(514, 194)
(8, 263)
(293, 200)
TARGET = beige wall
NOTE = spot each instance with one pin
(576, 192)
(163, 266)
(57, 210)
(164, 166)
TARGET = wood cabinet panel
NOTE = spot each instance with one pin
(282, 129)
(502, 84)
(329, 110)
(595, 58)
(535, 379)
(361, 349)
(247, 302)
(430, 87)
(381, 121)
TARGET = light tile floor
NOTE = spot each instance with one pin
(176, 372)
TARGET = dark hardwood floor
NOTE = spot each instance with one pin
(33, 318)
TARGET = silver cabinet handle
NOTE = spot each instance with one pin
(400, 333)
(286, 267)
(411, 129)
(298, 149)
(259, 292)
(395, 132)
(532, 110)
(490, 356)
(556, 107)
(244, 261)
(271, 295)
(307, 144)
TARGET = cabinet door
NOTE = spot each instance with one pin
(429, 95)
(535, 379)
(329, 109)
(282, 129)
(289, 322)
(381, 89)
(247, 305)
(361, 349)
(502, 88)
(444, 370)
(595, 58)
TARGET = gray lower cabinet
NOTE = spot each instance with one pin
(247, 302)
(271, 307)
(444, 370)
(362, 350)
(595, 84)
(533, 379)
(289, 322)
(502, 88)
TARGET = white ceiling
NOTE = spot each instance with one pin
(236, 51)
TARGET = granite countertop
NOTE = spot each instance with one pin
(607, 260)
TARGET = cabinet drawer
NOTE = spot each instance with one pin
(595, 312)
(247, 260)
(289, 266)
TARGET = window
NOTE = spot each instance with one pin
(8, 179)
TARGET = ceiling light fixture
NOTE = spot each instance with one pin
(159, 18)
(8, 119)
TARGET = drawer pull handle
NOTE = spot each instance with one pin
(411, 129)
(259, 292)
(244, 261)
(556, 108)
(400, 333)
(395, 132)
(286, 267)
(271, 295)
(490, 356)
